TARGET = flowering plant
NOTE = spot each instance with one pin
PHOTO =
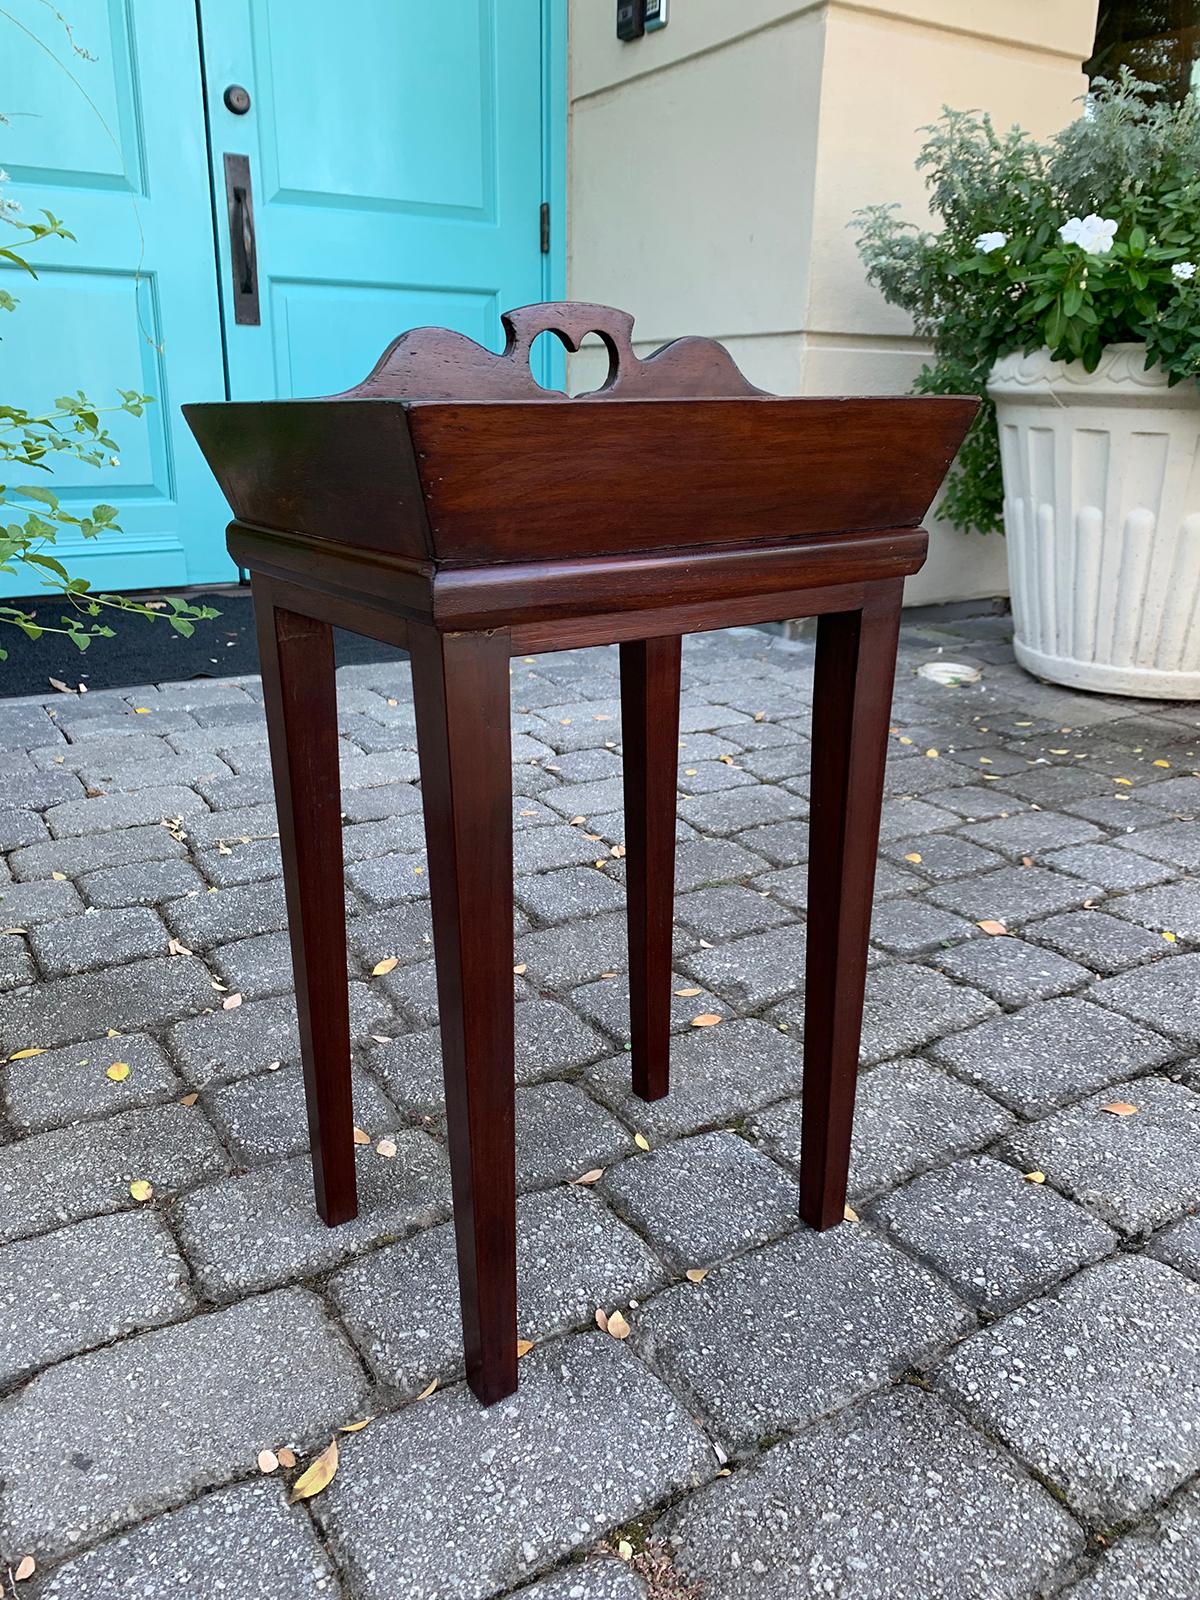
(1085, 240)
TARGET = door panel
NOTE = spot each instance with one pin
(396, 161)
(116, 147)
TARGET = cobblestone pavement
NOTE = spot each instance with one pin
(987, 1388)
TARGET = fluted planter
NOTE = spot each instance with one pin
(1102, 513)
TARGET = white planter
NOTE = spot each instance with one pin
(1102, 514)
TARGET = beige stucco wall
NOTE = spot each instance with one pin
(715, 164)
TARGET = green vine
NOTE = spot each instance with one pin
(32, 517)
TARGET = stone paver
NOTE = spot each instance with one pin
(1014, 895)
(488, 1497)
(144, 883)
(263, 1117)
(718, 1074)
(1011, 971)
(752, 971)
(1162, 995)
(1091, 998)
(1173, 908)
(562, 1133)
(262, 1228)
(1098, 940)
(1097, 1386)
(1051, 1052)
(126, 997)
(197, 1402)
(65, 1292)
(1157, 1562)
(800, 1523)
(705, 1198)
(908, 1116)
(73, 1083)
(998, 1238)
(76, 1172)
(401, 1305)
(261, 1549)
(803, 1326)
(97, 939)
(907, 1006)
(1137, 1171)
(604, 1579)
(605, 1004)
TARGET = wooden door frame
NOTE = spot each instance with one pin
(554, 144)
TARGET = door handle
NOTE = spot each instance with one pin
(239, 201)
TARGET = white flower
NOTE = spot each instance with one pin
(114, 461)
(9, 208)
(987, 242)
(1091, 233)
(3, 176)
(1183, 271)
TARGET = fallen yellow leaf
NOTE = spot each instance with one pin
(1034, 1177)
(286, 1457)
(914, 856)
(317, 1476)
(990, 925)
(706, 1019)
(189, 1099)
(356, 1427)
(25, 1568)
(617, 1327)
(1162, 763)
(641, 1141)
(118, 1072)
(687, 994)
(850, 1214)
(141, 1190)
(386, 1148)
(427, 1390)
(389, 964)
(1120, 1108)
(24, 1055)
(520, 968)
(696, 1274)
(58, 876)
(932, 754)
(524, 1346)
(231, 1002)
(592, 1176)
(268, 1461)
(1127, 782)
(361, 1136)
(1169, 936)
(624, 1549)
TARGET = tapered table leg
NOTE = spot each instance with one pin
(299, 690)
(461, 691)
(650, 749)
(856, 663)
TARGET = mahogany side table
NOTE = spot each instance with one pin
(450, 505)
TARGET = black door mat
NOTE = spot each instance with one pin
(152, 652)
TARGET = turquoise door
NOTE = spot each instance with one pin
(394, 160)
(115, 146)
(395, 164)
